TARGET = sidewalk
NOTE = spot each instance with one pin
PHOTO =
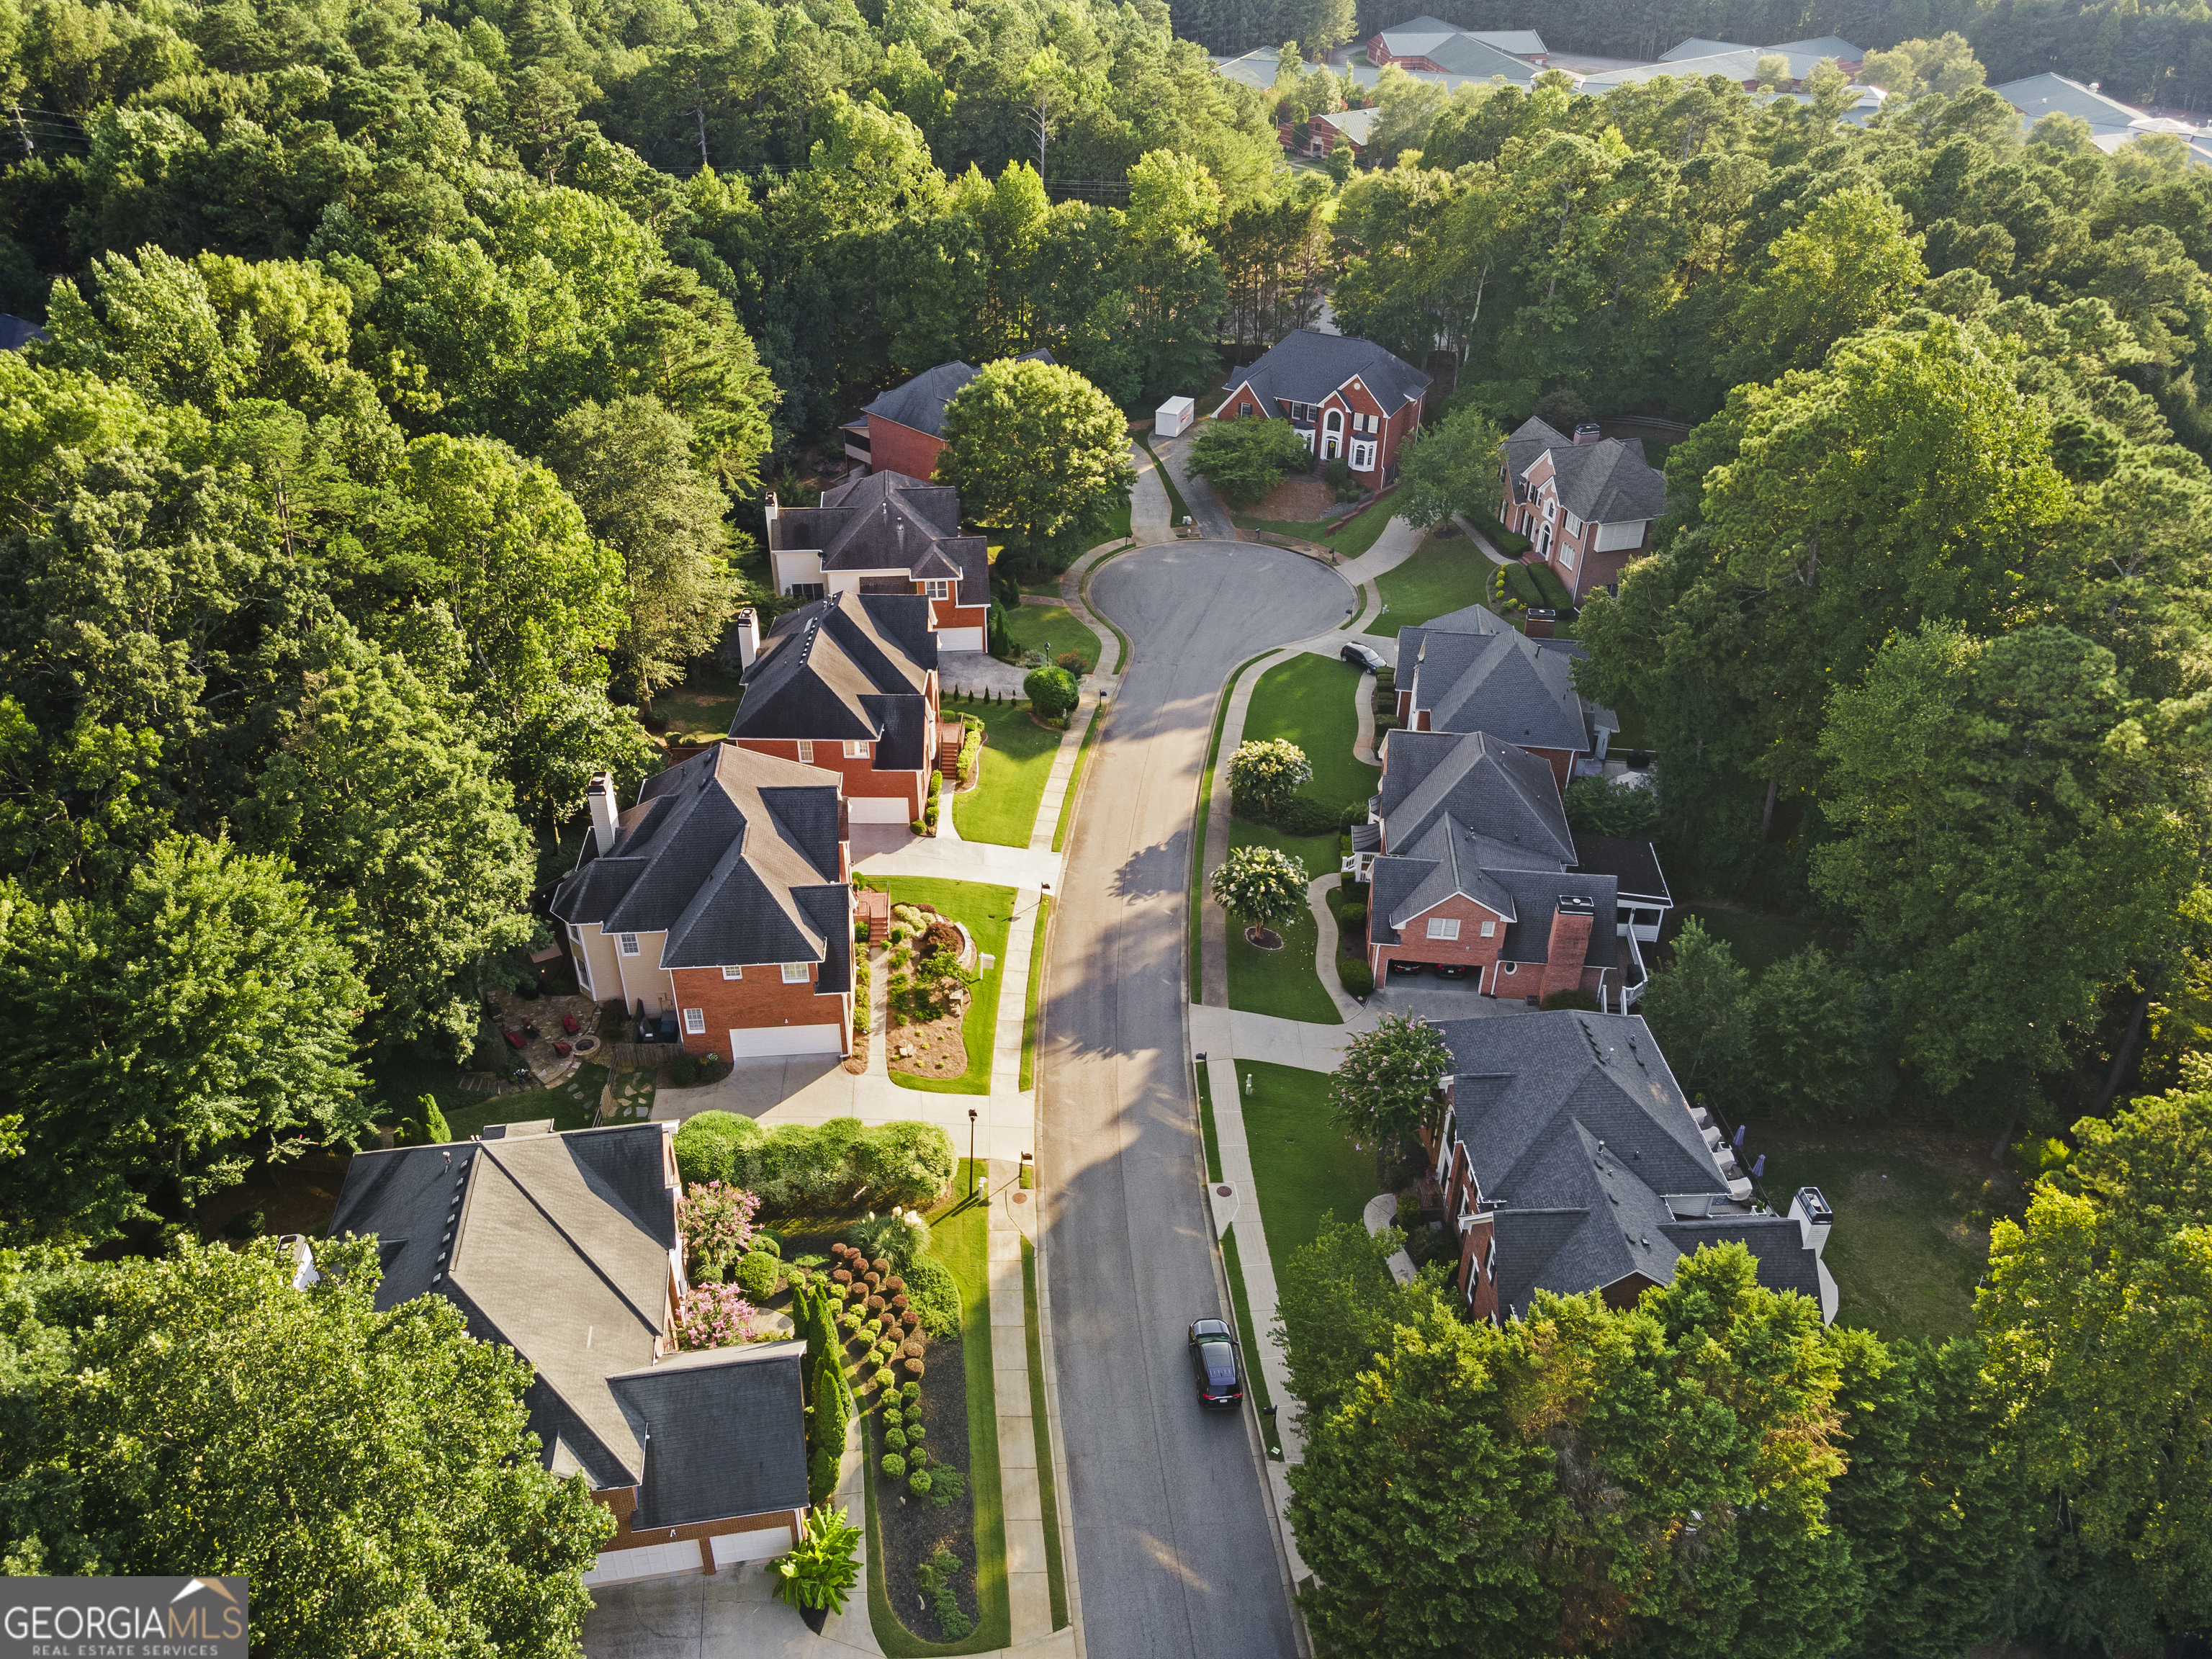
(1028, 1587)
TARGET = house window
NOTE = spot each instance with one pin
(807, 751)
(856, 751)
(629, 945)
(1443, 927)
(1363, 458)
(940, 589)
(794, 973)
(806, 590)
(734, 973)
(1511, 967)
(1490, 930)
(1335, 422)
(1244, 410)
(1566, 555)
(1550, 509)
(1574, 525)
(695, 1021)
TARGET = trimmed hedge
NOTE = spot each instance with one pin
(1355, 976)
(796, 1163)
(933, 1296)
(1576, 999)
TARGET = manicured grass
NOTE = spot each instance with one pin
(1037, 982)
(988, 913)
(1198, 831)
(1056, 1572)
(1046, 588)
(1177, 510)
(1913, 1208)
(1757, 938)
(1355, 536)
(1440, 578)
(1075, 777)
(1120, 639)
(1305, 1165)
(570, 1105)
(1206, 1132)
(1254, 1380)
(1313, 701)
(1017, 763)
(1114, 525)
(1281, 983)
(960, 1237)
(1052, 629)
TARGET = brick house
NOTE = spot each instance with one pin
(1348, 399)
(1355, 126)
(726, 894)
(1570, 1161)
(1471, 671)
(902, 430)
(1471, 866)
(1587, 502)
(1426, 46)
(565, 1248)
(888, 532)
(850, 683)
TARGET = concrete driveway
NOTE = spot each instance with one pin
(1175, 1551)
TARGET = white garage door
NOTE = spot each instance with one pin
(877, 809)
(761, 1546)
(960, 639)
(651, 1561)
(787, 1040)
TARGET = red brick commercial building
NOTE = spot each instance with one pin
(1348, 399)
(724, 895)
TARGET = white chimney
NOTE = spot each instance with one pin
(303, 1261)
(606, 816)
(774, 531)
(1810, 1210)
(745, 627)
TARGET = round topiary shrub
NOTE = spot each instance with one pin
(894, 1467)
(852, 1320)
(874, 1282)
(884, 1379)
(875, 1304)
(909, 1319)
(758, 1274)
(914, 1435)
(911, 1391)
(916, 1458)
(918, 1483)
(912, 1350)
(913, 1367)
(897, 1301)
(882, 1264)
(894, 1439)
(841, 1277)
(892, 1417)
(894, 1285)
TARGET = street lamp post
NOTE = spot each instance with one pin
(971, 1151)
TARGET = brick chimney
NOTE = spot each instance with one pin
(1571, 921)
(606, 812)
(1587, 433)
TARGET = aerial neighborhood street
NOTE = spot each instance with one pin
(1021, 828)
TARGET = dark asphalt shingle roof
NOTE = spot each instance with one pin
(1609, 481)
(1634, 864)
(1304, 366)
(734, 855)
(724, 1433)
(889, 521)
(1489, 786)
(919, 403)
(17, 332)
(1473, 673)
(1577, 1132)
(840, 668)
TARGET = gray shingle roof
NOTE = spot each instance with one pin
(889, 521)
(840, 668)
(1577, 1132)
(724, 1433)
(1634, 864)
(734, 855)
(1609, 481)
(1490, 786)
(1473, 673)
(919, 403)
(1305, 366)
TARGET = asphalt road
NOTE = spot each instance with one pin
(1174, 1546)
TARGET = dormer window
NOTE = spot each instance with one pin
(939, 588)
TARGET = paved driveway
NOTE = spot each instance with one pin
(1174, 1549)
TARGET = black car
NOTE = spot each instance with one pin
(1400, 969)
(1216, 1362)
(1449, 969)
(1367, 661)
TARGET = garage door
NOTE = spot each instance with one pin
(787, 1040)
(650, 1561)
(761, 1546)
(960, 639)
(879, 809)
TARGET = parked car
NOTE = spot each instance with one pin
(1400, 969)
(1216, 1362)
(1449, 969)
(1366, 660)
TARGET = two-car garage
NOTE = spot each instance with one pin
(762, 1041)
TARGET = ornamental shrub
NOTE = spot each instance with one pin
(912, 1350)
(894, 1285)
(918, 1484)
(1571, 999)
(821, 1475)
(841, 1277)
(880, 1267)
(913, 1367)
(892, 1416)
(934, 1294)
(909, 1319)
(883, 1378)
(757, 1275)
(894, 1467)
(914, 1434)
(896, 1237)
(1355, 976)
(911, 1391)
(897, 1303)
(916, 1458)
(874, 1304)
(1052, 692)
(793, 1163)
(894, 1439)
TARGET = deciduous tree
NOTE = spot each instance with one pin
(1265, 887)
(1038, 452)
(1265, 770)
(1388, 1086)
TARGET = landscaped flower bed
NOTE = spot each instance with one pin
(932, 964)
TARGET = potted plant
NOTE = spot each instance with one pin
(820, 1571)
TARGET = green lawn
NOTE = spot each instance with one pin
(988, 913)
(1197, 830)
(704, 704)
(1304, 1163)
(1036, 979)
(1312, 701)
(1441, 577)
(1075, 777)
(570, 1105)
(1041, 1425)
(1281, 983)
(1053, 629)
(1913, 1208)
(1017, 761)
(960, 1237)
